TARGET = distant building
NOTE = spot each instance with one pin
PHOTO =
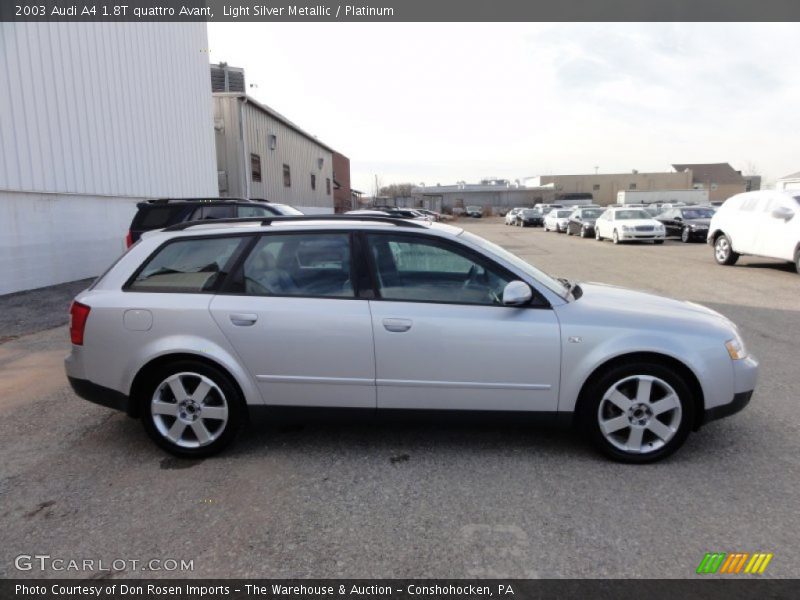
(789, 182)
(720, 179)
(95, 117)
(604, 186)
(490, 194)
(342, 192)
(263, 155)
(752, 183)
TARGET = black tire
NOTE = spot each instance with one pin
(568, 231)
(797, 261)
(591, 413)
(227, 391)
(583, 232)
(658, 241)
(686, 235)
(723, 251)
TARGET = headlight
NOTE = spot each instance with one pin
(625, 228)
(736, 349)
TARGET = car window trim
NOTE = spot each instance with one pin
(540, 301)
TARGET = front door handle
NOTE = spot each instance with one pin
(397, 325)
(243, 319)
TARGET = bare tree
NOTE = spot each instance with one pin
(397, 190)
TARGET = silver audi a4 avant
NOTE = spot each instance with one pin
(199, 326)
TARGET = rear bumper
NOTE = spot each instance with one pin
(739, 401)
(101, 395)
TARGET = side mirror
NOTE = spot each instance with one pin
(517, 293)
(679, 218)
(783, 212)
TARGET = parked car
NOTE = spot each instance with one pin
(690, 223)
(211, 322)
(556, 219)
(527, 217)
(476, 212)
(511, 216)
(163, 212)
(581, 221)
(435, 216)
(628, 224)
(763, 223)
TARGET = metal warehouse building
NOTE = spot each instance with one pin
(263, 155)
(93, 118)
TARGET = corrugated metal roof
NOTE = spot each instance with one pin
(792, 176)
(276, 115)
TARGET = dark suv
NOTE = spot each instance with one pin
(161, 213)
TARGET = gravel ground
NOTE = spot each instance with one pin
(24, 313)
(80, 481)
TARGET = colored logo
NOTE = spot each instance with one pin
(734, 563)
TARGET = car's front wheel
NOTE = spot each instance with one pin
(615, 237)
(686, 235)
(638, 413)
(583, 232)
(192, 409)
(597, 234)
(723, 251)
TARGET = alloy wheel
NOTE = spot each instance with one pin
(685, 235)
(615, 237)
(189, 410)
(639, 414)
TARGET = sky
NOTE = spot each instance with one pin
(441, 103)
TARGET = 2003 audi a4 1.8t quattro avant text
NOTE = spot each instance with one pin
(200, 325)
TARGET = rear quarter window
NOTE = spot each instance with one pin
(155, 218)
(195, 265)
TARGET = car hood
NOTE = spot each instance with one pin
(635, 303)
(638, 222)
(704, 222)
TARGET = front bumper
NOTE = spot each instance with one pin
(738, 403)
(745, 376)
(101, 395)
(640, 235)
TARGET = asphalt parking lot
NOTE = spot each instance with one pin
(78, 481)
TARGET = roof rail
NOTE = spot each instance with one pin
(198, 199)
(298, 218)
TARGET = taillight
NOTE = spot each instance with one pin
(129, 240)
(78, 314)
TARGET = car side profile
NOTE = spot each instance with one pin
(628, 224)
(201, 325)
(511, 216)
(763, 223)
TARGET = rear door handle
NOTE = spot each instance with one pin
(397, 325)
(243, 319)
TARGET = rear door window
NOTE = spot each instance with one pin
(194, 265)
(310, 265)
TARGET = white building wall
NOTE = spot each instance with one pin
(95, 116)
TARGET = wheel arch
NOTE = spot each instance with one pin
(142, 376)
(691, 379)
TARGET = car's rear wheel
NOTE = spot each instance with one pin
(723, 251)
(639, 413)
(192, 409)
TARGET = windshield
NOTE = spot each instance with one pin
(631, 214)
(529, 212)
(591, 213)
(698, 213)
(561, 214)
(550, 283)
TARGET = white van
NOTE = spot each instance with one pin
(764, 223)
